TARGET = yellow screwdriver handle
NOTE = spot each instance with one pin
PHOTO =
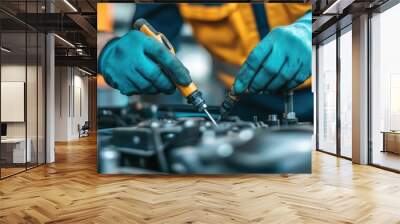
(143, 26)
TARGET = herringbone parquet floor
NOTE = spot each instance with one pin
(70, 191)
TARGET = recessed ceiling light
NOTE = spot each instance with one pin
(337, 7)
(84, 71)
(70, 5)
(64, 40)
(5, 50)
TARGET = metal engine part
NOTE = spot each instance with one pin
(190, 145)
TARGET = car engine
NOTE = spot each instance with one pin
(146, 138)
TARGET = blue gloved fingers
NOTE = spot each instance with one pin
(302, 74)
(106, 66)
(260, 81)
(127, 87)
(292, 72)
(281, 54)
(243, 79)
(152, 91)
(277, 81)
(109, 80)
(165, 86)
(163, 83)
(170, 91)
(171, 65)
(153, 73)
(251, 67)
(140, 85)
(271, 69)
(286, 74)
(137, 80)
(134, 89)
(123, 58)
(103, 61)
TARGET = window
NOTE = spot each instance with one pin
(346, 93)
(385, 89)
(327, 96)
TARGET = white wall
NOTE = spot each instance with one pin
(71, 94)
(12, 73)
(61, 103)
(12, 101)
(80, 100)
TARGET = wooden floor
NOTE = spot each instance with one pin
(70, 191)
(10, 171)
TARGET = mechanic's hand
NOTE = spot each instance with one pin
(137, 64)
(281, 61)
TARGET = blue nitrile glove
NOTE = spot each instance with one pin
(281, 61)
(138, 64)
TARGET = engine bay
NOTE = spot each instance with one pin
(175, 139)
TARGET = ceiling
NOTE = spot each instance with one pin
(332, 15)
(72, 20)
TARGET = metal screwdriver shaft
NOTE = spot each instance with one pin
(210, 117)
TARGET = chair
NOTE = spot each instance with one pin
(84, 129)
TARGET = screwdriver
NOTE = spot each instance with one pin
(231, 99)
(190, 92)
(227, 105)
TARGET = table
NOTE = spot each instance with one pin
(391, 141)
(15, 148)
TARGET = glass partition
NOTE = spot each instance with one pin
(22, 77)
(15, 150)
(31, 96)
(41, 96)
(34, 52)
